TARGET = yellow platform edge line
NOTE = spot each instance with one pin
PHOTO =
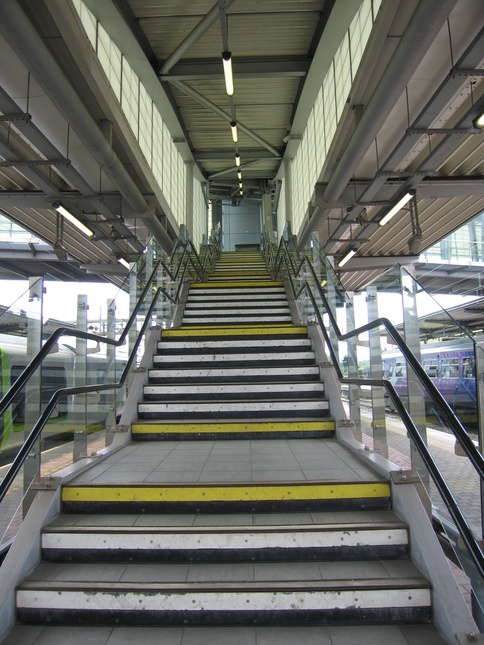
(201, 428)
(223, 493)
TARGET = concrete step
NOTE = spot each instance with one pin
(203, 430)
(200, 345)
(234, 409)
(279, 331)
(222, 543)
(219, 603)
(252, 497)
(234, 360)
(238, 284)
(223, 391)
(235, 374)
(261, 303)
(255, 310)
(236, 318)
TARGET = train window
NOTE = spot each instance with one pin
(390, 370)
(431, 367)
(468, 370)
(400, 370)
(449, 367)
(53, 378)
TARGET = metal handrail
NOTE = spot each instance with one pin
(34, 434)
(51, 341)
(473, 454)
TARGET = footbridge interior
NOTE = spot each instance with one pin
(272, 433)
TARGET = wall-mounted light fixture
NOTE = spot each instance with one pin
(73, 220)
(479, 121)
(347, 257)
(229, 78)
(398, 206)
(235, 136)
(237, 160)
(124, 263)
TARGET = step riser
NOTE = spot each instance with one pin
(310, 373)
(193, 436)
(226, 545)
(223, 320)
(224, 391)
(234, 360)
(135, 607)
(234, 410)
(232, 346)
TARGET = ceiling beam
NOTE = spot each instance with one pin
(183, 87)
(204, 70)
(203, 26)
(228, 155)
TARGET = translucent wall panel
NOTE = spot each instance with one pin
(329, 105)
(155, 140)
(199, 214)
(88, 21)
(320, 142)
(157, 166)
(110, 59)
(342, 75)
(166, 186)
(130, 96)
(281, 210)
(145, 123)
(360, 30)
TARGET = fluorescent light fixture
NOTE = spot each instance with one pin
(235, 136)
(398, 206)
(241, 193)
(239, 175)
(237, 160)
(240, 184)
(124, 263)
(229, 79)
(347, 257)
(479, 121)
(73, 220)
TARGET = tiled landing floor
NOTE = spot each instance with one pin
(344, 635)
(229, 461)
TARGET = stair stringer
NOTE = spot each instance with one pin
(451, 614)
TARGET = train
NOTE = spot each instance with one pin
(57, 371)
(451, 367)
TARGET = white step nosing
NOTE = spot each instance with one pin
(261, 344)
(237, 319)
(226, 538)
(242, 388)
(236, 372)
(243, 311)
(276, 357)
(234, 406)
(176, 597)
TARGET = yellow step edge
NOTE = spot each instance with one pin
(203, 428)
(255, 284)
(224, 493)
(231, 331)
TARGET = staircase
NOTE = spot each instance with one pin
(234, 516)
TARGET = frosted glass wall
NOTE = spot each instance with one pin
(327, 110)
(145, 120)
(199, 214)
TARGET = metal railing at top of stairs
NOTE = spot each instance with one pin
(284, 259)
(176, 268)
